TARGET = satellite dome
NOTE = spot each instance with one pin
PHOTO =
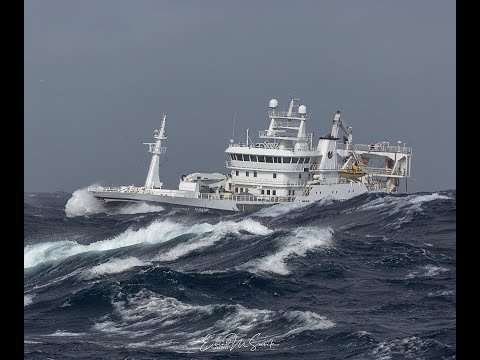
(302, 109)
(273, 103)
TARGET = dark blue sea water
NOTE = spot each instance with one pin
(369, 278)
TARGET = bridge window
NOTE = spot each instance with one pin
(236, 189)
(241, 190)
(274, 175)
(261, 158)
(293, 192)
(274, 192)
(287, 160)
(268, 192)
(263, 192)
(247, 173)
(253, 158)
(268, 159)
(236, 173)
(307, 160)
(254, 174)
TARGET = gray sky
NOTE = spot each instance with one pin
(112, 67)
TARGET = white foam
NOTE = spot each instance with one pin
(113, 266)
(66, 333)
(307, 320)
(156, 232)
(139, 208)
(442, 293)
(401, 202)
(427, 271)
(82, 203)
(278, 209)
(298, 243)
(146, 312)
(418, 199)
(209, 234)
(66, 303)
(409, 206)
(408, 348)
(28, 299)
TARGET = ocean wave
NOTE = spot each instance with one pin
(442, 293)
(408, 348)
(400, 201)
(146, 312)
(138, 208)
(156, 232)
(28, 299)
(113, 266)
(209, 234)
(83, 203)
(407, 207)
(427, 271)
(66, 333)
(297, 244)
(277, 210)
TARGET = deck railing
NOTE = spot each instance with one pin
(377, 148)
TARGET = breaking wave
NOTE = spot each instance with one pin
(114, 266)
(209, 234)
(297, 244)
(323, 280)
(27, 300)
(148, 313)
(156, 232)
(82, 203)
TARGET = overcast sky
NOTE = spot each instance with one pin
(110, 68)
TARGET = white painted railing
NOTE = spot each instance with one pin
(314, 167)
(285, 114)
(271, 182)
(247, 198)
(273, 146)
(293, 136)
(258, 146)
(123, 189)
(386, 172)
(248, 165)
(377, 148)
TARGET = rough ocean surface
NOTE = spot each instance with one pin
(369, 278)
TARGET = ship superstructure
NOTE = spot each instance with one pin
(285, 165)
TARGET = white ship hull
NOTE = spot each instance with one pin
(227, 202)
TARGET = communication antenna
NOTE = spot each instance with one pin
(233, 126)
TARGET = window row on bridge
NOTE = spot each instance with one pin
(270, 159)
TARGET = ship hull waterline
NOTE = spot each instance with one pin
(317, 192)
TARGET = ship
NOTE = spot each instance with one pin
(284, 166)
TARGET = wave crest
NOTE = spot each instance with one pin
(298, 243)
